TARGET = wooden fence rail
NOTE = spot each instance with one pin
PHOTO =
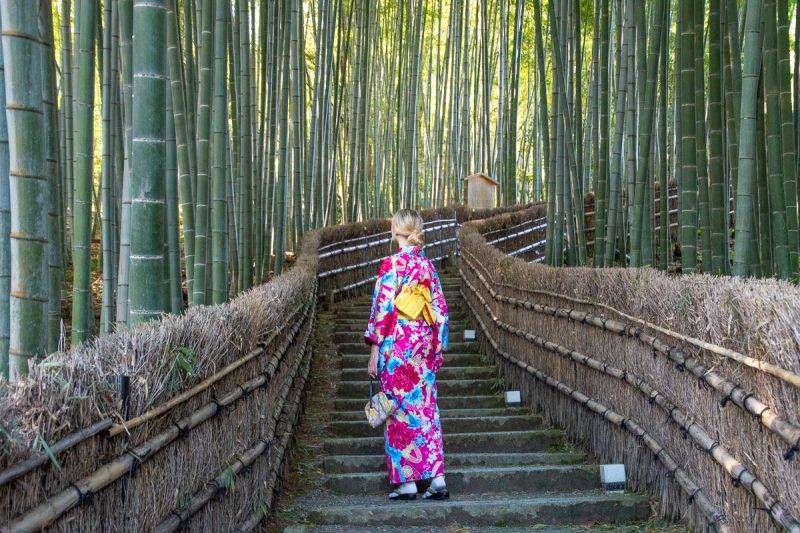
(735, 469)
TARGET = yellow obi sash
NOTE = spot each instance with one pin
(413, 302)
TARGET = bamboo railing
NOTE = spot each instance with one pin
(166, 465)
(664, 387)
(699, 434)
(129, 462)
(179, 441)
(143, 468)
(350, 254)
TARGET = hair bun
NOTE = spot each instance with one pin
(409, 224)
(416, 238)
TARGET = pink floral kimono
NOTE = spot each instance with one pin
(410, 354)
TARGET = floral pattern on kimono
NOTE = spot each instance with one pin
(410, 354)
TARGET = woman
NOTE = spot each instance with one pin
(407, 352)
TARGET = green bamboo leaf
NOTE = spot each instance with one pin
(48, 451)
(228, 478)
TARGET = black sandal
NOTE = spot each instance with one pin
(436, 494)
(402, 496)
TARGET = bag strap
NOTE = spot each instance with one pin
(372, 392)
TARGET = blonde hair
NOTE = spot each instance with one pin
(408, 223)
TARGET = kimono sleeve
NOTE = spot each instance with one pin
(441, 333)
(380, 323)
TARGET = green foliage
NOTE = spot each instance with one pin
(228, 478)
(49, 451)
(182, 361)
(498, 385)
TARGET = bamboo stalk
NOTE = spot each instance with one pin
(5, 230)
(28, 185)
(83, 171)
(148, 162)
(219, 201)
(746, 185)
(182, 141)
(55, 252)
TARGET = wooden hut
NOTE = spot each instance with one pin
(481, 191)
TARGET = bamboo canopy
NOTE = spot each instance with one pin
(255, 124)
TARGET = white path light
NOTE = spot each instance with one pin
(469, 334)
(613, 477)
(513, 397)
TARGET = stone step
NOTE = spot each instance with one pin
(537, 440)
(345, 464)
(358, 415)
(446, 372)
(362, 348)
(345, 337)
(483, 480)
(447, 402)
(477, 511)
(445, 387)
(451, 359)
(360, 428)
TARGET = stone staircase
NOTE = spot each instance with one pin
(504, 467)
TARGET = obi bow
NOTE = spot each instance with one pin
(415, 301)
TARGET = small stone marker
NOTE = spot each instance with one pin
(613, 477)
(513, 397)
(469, 334)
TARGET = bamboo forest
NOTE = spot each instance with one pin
(272, 264)
(163, 153)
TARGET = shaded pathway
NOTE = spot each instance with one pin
(504, 467)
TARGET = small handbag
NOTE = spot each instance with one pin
(379, 407)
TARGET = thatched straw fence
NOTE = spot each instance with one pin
(200, 439)
(200, 433)
(691, 381)
(522, 232)
(350, 254)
